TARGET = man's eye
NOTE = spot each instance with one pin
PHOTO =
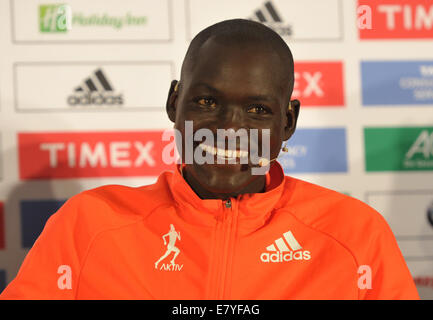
(207, 102)
(258, 110)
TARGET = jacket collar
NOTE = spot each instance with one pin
(252, 210)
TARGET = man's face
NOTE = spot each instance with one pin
(234, 87)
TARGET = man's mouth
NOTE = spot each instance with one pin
(227, 154)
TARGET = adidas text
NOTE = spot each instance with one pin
(90, 98)
(285, 256)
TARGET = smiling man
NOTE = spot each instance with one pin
(236, 75)
(244, 235)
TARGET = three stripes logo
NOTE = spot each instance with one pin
(95, 90)
(269, 16)
(284, 249)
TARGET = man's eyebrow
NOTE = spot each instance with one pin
(257, 98)
(262, 98)
(207, 86)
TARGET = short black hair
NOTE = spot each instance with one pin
(240, 31)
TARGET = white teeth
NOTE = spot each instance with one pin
(224, 153)
(203, 147)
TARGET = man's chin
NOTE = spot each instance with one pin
(230, 179)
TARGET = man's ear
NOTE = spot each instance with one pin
(170, 106)
(292, 114)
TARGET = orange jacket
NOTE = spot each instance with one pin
(295, 241)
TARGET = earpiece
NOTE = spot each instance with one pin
(264, 162)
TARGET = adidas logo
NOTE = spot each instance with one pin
(269, 16)
(95, 90)
(286, 248)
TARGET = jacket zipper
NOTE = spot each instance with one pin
(228, 204)
(226, 239)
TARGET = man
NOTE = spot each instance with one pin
(244, 235)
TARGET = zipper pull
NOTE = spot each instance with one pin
(228, 203)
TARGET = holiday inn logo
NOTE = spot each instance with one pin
(399, 149)
(54, 18)
(61, 18)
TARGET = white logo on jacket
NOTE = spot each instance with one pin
(173, 236)
(284, 251)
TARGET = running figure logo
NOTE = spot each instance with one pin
(172, 235)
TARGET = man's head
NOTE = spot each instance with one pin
(237, 74)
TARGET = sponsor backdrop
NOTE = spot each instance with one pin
(83, 87)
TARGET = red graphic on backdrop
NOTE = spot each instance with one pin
(397, 19)
(2, 227)
(91, 154)
(319, 83)
(425, 281)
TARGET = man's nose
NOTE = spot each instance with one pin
(232, 118)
